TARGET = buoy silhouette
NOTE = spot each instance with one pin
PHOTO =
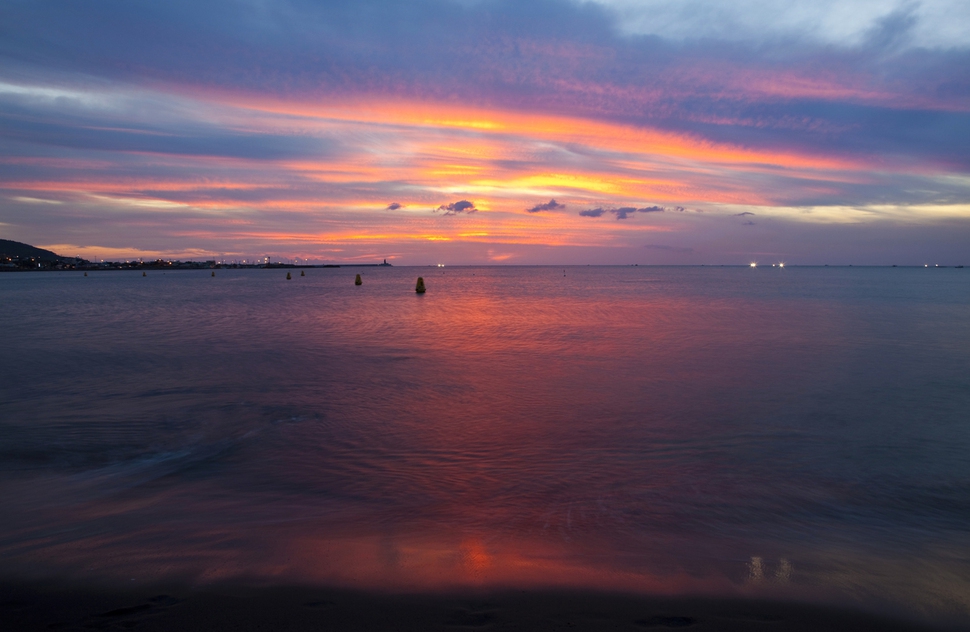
(419, 288)
(357, 281)
(144, 274)
(302, 273)
(85, 274)
(288, 277)
(213, 273)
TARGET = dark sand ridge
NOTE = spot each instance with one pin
(45, 606)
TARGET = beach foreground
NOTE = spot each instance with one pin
(236, 607)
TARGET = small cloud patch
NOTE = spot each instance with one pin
(625, 212)
(461, 206)
(551, 205)
(393, 206)
(743, 214)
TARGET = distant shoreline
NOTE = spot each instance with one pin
(185, 265)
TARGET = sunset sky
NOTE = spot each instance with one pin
(473, 132)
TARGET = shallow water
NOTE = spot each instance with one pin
(800, 432)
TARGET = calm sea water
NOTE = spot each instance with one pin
(798, 432)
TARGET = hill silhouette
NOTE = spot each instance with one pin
(17, 250)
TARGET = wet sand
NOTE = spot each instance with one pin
(234, 607)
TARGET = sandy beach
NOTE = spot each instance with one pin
(27, 607)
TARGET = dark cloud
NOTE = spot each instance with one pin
(625, 212)
(551, 205)
(393, 206)
(743, 214)
(461, 206)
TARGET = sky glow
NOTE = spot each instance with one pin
(809, 133)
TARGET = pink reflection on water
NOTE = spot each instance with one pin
(413, 563)
(609, 429)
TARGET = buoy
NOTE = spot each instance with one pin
(419, 288)
(288, 277)
(144, 274)
(357, 281)
(302, 273)
(85, 274)
(213, 273)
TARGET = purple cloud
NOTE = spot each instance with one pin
(625, 212)
(461, 206)
(551, 205)
(393, 206)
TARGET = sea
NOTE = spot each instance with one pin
(796, 433)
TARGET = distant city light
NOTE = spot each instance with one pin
(754, 265)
